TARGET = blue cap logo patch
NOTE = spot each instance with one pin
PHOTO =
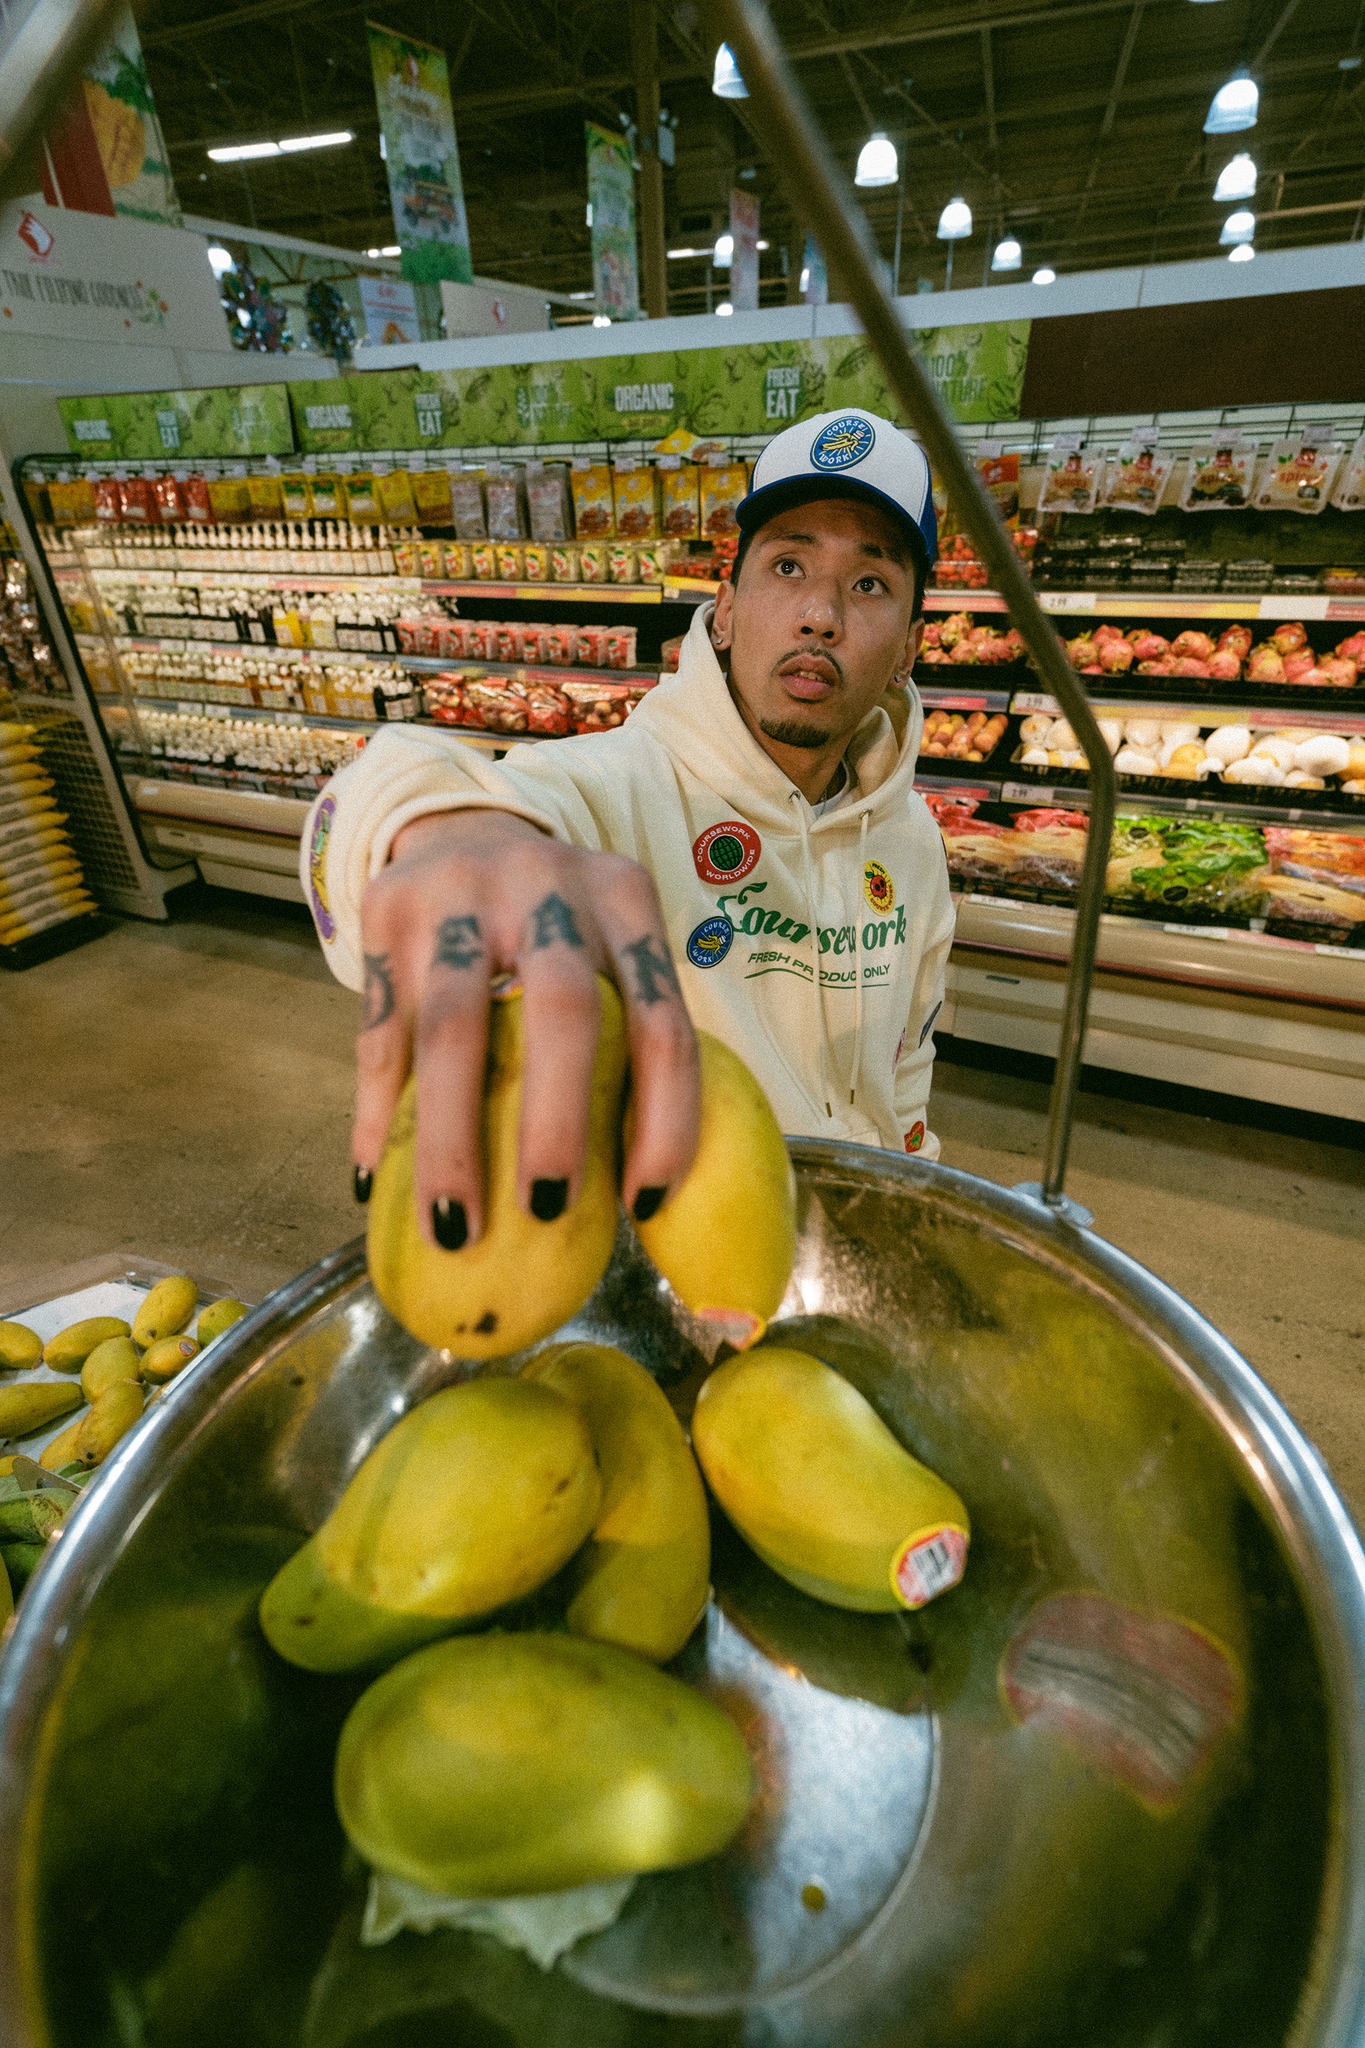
(843, 442)
(710, 942)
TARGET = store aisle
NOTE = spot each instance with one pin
(184, 1091)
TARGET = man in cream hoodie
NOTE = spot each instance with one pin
(747, 852)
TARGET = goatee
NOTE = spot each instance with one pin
(790, 732)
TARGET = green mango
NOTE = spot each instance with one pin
(469, 1503)
(21, 1561)
(503, 1765)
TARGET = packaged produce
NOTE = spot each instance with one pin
(623, 564)
(1136, 478)
(267, 495)
(999, 474)
(670, 653)
(106, 500)
(563, 563)
(547, 502)
(591, 646)
(166, 490)
(296, 488)
(1349, 494)
(680, 509)
(635, 500)
(1073, 479)
(1298, 475)
(504, 643)
(230, 499)
(325, 487)
(959, 566)
(72, 500)
(431, 496)
(592, 562)
(1208, 865)
(483, 561)
(467, 506)
(652, 562)
(619, 647)
(137, 501)
(508, 562)
(430, 561)
(358, 492)
(530, 643)
(590, 483)
(505, 493)
(560, 645)
(456, 561)
(722, 488)
(1218, 477)
(535, 562)
(393, 493)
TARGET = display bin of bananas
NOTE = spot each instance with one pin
(582, 1644)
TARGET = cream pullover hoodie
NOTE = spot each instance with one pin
(759, 889)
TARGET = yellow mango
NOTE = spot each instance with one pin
(61, 1452)
(641, 1579)
(496, 1766)
(34, 1404)
(106, 1422)
(819, 1487)
(19, 1347)
(115, 1359)
(69, 1349)
(6, 1595)
(167, 1309)
(217, 1317)
(523, 1278)
(726, 1239)
(472, 1501)
(168, 1356)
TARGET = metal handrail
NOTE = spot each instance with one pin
(823, 199)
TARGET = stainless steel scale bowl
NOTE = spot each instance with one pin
(1109, 1791)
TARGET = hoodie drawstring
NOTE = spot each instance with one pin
(812, 912)
(858, 965)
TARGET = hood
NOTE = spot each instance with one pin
(694, 716)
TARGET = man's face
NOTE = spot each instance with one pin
(820, 622)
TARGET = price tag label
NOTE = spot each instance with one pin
(1067, 600)
(1033, 700)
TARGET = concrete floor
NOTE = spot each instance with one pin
(184, 1091)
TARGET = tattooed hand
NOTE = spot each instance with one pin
(467, 897)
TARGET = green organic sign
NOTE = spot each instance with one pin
(157, 426)
(978, 371)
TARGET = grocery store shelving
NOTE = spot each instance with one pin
(1119, 604)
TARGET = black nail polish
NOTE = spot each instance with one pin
(549, 1198)
(449, 1225)
(361, 1181)
(648, 1202)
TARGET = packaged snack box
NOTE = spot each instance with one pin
(476, 632)
(619, 651)
(1137, 476)
(509, 562)
(136, 501)
(722, 488)
(430, 561)
(680, 514)
(592, 501)
(535, 562)
(1217, 478)
(1073, 479)
(358, 489)
(635, 500)
(406, 559)
(502, 643)
(547, 503)
(564, 564)
(73, 501)
(652, 562)
(229, 500)
(591, 649)
(483, 561)
(1298, 475)
(394, 495)
(325, 490)
(530, 643)
(267, 496)
(503, 490)
(106, 500)
(431, 496)
(622, 564)
(457, 567)
(592, 562)
(466, 502)
(1000, 475)
(298, 495)
(560, 645)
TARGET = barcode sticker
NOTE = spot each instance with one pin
(928, 1564)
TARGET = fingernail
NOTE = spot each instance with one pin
(361, 1181)
(449, 1225)
(548, 1199)
(648, 1203)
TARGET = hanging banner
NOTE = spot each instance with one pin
(77, 276)
(744, 254)
(104, 152)
(611, 215)
(412, 87)
(151, 426)
(390, 310)
(814, 276)
(978, 372)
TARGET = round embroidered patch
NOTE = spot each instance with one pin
(317, 868)
(914, 1137)
(710, 942)
(878, 887)
(843, 442)
(726, 852)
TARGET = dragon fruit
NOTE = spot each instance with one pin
(1265, 665)
(1289, 637)
(1299, 664)
(1334, 674)
(1191, 646)
(1352, 649)
(1190, 664)
(965, 654)
(992, 649)
(1225, 666)
(1235, 640)
(1148, 646)
(935, 657)
(1103, 633)
(1116, 656)
(933, 635)
(1014, 639)
(1161, 666)
(954, 628)
(1082, 651)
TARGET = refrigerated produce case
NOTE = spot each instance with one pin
(236, 666)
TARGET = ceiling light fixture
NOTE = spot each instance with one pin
(677, 255)
(1236, 180)
(1348, 63)
(723, 255)
(724, 310)
(1233, 106)
(955, 221)
(726, 82)
(1045, 276)
(289, 145)
(582, 295)
(1243, 253)
(877, 162)
(220, 260)
(392, 249)
(1008, 255)
(601, 319)
(1238, 227)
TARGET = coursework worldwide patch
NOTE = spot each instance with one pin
(878, 887)
(914, 1137)
(710, 942)
(726, 852)
(843, 442)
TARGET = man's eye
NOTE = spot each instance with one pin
(871, 583)
(787, 563)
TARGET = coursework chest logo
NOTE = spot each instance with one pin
(726, 852)
(842, 443)
(878, 887)
(317, 867)
(710, 942)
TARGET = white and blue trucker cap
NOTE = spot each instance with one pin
(848, 454)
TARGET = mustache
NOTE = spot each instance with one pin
(818, 654)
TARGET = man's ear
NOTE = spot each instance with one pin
(910, 652)
(722, 619)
